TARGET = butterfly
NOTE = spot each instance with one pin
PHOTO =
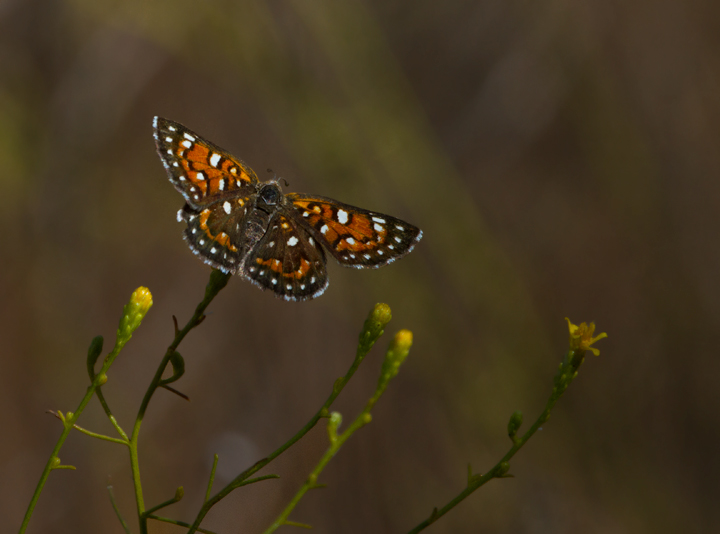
(243, 226)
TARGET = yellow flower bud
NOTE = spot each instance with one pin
(134, 311)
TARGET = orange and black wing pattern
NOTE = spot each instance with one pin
(355, 237)
(201, 171)
(288, 261)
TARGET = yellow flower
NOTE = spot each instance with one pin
(581, 337)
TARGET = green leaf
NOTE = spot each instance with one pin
(178, 365)
(94, 351)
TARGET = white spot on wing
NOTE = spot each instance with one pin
(289, 287)
(378, 219)
(292, 241)
(188, 137)
(215, 159)
(305, 213)
(378, 228)
(199, 176)
(186, 144)
(398, 239)
(168, 139)
(324, 229)
(227, 207)
(271, 244)
(342, 216)
(350, 241)
(274, 281)
(221, 185)
(212, 250)
(311, 241)
(400, 228)
(172, 128)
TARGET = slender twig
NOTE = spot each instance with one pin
(217, 281)
(110, 415)
(212, 478)
(125, 526)
(176, 498)
(124, 335)
(566, 374)
(372, 330)
(311, 482)
(178, 523)
(396, 354)
(99, 436)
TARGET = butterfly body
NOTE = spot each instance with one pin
(242, 226)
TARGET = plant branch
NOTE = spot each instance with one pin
(395, 356)
(372, 330)
(217, 282)
(133, 314)
(178, 523)
(564, 377)
(125, 526)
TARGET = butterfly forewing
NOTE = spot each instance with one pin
(201, 171)
(354, 236)
(287, 261)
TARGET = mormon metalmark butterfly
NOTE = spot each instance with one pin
(240, 225)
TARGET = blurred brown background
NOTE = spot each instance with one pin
(562, 159)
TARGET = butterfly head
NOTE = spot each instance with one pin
(269, 196)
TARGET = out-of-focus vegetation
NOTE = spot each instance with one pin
(562, 160)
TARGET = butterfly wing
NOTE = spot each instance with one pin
(217, 233)
(201, 171)
(287, 261)
(355, 237)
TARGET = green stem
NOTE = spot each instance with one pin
(125, 526)
(178, 523)
(566, 374)
(99, 436)
(311, 482)
(217, 281)
(110, 415)
(68, 423)
(212, 478)
(396, 354)
(371, 332)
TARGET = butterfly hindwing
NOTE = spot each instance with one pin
(201, 171)
(355, 237)
(287, 261)
(215, 233)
